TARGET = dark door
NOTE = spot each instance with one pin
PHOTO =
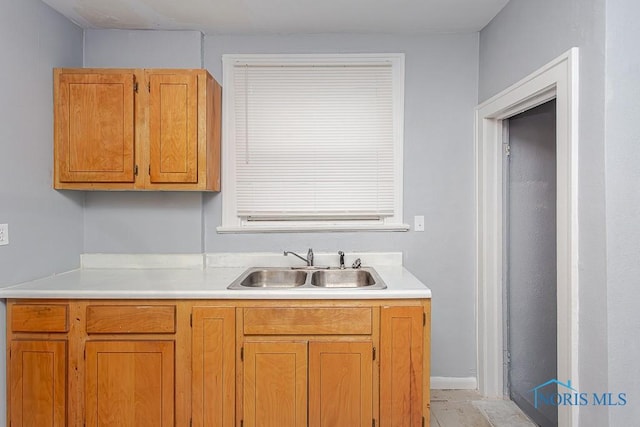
(530, 239)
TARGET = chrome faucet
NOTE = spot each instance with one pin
(341, 254)
(308, 259)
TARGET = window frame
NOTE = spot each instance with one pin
(232, 223)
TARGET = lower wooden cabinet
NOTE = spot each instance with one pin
(38, 383)
(213, 366)
(224, 363)
(130, 383)
(275, 384)
(341, 384)
(401, 360)
(332, 379)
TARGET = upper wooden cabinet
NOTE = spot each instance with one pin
(94, 127)
(134, 129)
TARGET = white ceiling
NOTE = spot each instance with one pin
(283, 16)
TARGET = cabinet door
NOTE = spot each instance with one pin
(94, 127)
(173, 128)
(401, 361)
(130, 383)
(340, 384)
(213, 354)
(275, 384)
(38, 386)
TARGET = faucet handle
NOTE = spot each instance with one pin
(357, 263)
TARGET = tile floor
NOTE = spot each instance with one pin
(461, 408)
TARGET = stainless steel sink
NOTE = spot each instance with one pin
(273, 278)
(308, 278)
(354, 278)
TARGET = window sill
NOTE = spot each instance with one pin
(312, 228)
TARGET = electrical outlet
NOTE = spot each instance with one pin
(4, 234)
(418, 223)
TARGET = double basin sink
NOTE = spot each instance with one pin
(308, 278)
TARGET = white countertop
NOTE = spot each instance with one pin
(209, 282)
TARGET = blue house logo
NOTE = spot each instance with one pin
(563, 394)
(551, 399)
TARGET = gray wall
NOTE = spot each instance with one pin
(623, 205)
(440, 95)
(143, 222)
(45, 226)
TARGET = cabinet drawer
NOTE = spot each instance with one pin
(39, 318)
(131, 319)
(307, 321)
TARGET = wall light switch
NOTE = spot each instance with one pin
(4, 234)
(418, 223)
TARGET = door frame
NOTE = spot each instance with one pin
(558, 79)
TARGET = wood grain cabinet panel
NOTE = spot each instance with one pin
(401, 366)
(94, 126)
(40, 318)
(340, 384)
(213, 374)
(303, 320)
(136, 129)
(131, 319)
(130, 383)
(173, 130)
(38, 383)
(275, 384)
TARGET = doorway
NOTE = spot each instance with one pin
(556, 80)
(529, 264)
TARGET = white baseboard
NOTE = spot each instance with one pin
(454, 383)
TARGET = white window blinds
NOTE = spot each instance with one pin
(314, 141)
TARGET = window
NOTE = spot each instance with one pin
(312, 142)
